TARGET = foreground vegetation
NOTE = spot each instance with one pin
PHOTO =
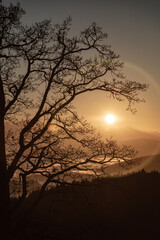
(108, 208)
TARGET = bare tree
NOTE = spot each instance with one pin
(42, 71)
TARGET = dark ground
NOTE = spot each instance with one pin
(113, 208)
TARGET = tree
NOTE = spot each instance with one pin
(42, 71)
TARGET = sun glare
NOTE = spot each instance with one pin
(110, 119)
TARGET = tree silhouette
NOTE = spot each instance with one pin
(42, 71)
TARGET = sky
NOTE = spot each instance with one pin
(134, 33)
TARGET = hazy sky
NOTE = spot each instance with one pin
(134, 33)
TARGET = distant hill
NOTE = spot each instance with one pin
(144, 146)
(148, 163)
(151, 163)
(146, 143)
(128, 133)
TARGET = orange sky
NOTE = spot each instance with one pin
(133, 28)
(95, 106)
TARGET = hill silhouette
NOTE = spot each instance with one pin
(111, 208)
(144, 146)
(128, 133)
(146, 143)
(151, 163)
(148, 163)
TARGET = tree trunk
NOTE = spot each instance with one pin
(4, 182)
(4, 187)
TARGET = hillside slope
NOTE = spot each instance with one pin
(111, 208)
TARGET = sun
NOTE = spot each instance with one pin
(110, 118)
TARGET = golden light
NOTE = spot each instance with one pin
(110, 118)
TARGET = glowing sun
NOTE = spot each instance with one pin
(110, 118)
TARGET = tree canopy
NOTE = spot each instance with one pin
(42, 70)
